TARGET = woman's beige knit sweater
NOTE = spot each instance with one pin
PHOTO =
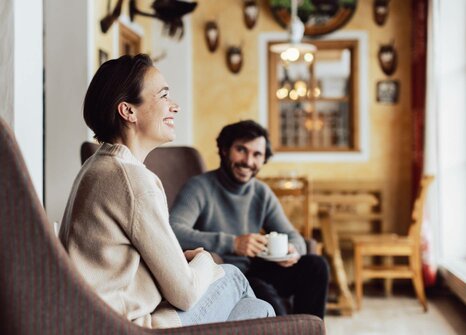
(116, 231)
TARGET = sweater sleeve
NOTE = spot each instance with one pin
(189, 204)
(180, 283)
(276, 220)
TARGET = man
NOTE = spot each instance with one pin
(225, 210)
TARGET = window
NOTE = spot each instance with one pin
(313, 105)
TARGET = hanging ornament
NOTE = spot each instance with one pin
(388, 58)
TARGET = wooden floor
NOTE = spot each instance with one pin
(402, 314)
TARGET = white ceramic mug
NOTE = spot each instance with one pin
(277, 244)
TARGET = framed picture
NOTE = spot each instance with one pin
(103, 57)
(388, 91)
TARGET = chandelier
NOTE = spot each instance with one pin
(294, 49)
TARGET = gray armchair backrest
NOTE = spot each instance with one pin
(173, 165)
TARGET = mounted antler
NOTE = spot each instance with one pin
(168, 11)
(108, 20)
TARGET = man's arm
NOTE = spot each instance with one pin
(190, 203)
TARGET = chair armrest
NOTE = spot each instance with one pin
(282, 325)
(312, 246)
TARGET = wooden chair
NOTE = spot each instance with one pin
(345, 302)
(296, 189)
(391, 245)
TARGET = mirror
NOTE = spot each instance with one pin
(313, 104)
(319, 16)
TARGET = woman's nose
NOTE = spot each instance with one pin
(174, 108)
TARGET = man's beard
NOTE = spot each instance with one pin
(228, 166)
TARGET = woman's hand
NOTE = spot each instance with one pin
(190, 254)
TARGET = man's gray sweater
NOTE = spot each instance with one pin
(211, 210)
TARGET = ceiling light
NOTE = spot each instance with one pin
(292, 50)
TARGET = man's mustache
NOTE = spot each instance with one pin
(244, 165)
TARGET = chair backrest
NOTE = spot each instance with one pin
(87, 150)
(292, 191)
(41, 291)
(173, 165)
(418, 208)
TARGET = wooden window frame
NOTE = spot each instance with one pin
(353, 99)
(128, 36)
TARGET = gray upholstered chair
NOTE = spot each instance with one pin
(42, 293)
(173, 165)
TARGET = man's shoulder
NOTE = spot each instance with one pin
(262, 187)
(203, 178)
(201, 181)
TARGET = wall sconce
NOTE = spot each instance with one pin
(234, 59)
(387, 56)
(380, 10)
(250, 13)
(212, 35)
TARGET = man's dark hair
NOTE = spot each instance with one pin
(116, 81)
(243, 130)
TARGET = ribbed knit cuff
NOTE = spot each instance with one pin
(206, 268)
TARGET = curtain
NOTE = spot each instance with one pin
(431, 232)
(424, 93)
(418, 88)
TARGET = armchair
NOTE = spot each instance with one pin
(42, 292)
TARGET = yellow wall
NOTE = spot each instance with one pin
(221, 97)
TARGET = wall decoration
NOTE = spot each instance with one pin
(234, 58)
(388, 91)
(388, 58)
(170, 12)
(212, 35)
(319, 16)
(250, 13)
(103, 57)
(111, 16)
(380, 11)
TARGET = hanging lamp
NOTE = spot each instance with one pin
(294, 50)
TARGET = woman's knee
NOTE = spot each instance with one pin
(232, 271)
(268, 309)
(251, 308)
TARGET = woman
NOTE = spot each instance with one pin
(115, 227)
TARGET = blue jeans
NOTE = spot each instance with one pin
(227, 299)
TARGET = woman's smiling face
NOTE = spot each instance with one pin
(155, 115)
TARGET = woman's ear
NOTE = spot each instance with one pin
(126, 112)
